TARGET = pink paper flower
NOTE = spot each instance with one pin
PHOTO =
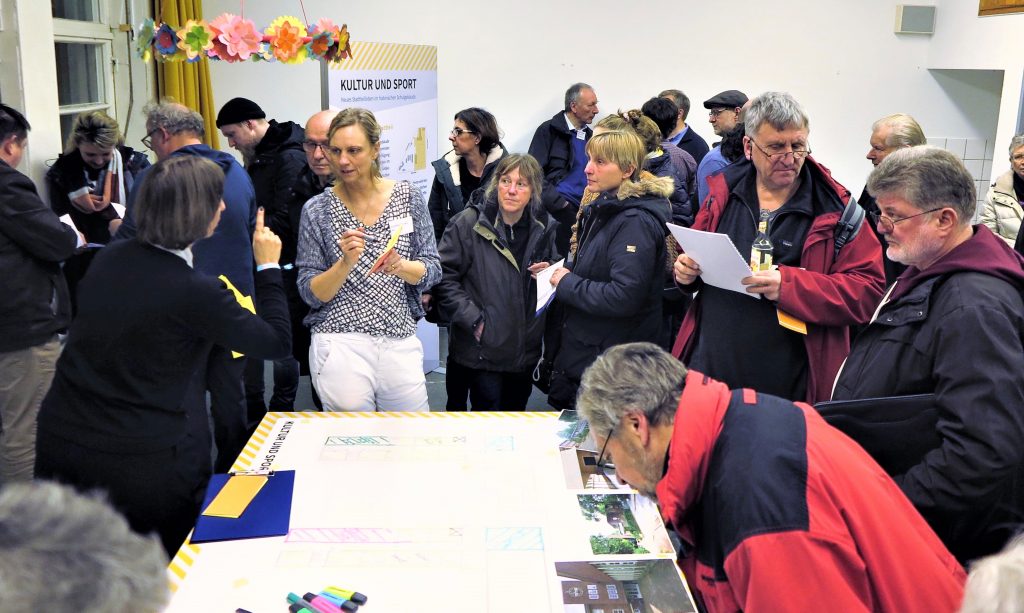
(237, 38)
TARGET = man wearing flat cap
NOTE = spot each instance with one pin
(724, 109)
(273, 156)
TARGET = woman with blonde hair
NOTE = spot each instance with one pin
(612, 294)
(95, 170)
(365, 293)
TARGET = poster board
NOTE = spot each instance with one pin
(456, 512)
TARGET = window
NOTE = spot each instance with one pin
(613, 592)
(82, 46)
(592, 592)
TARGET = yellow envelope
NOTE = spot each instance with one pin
(232, 499)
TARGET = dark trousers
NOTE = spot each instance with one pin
(159, 491)
(223, 379)
(286, 370)
(487, 390)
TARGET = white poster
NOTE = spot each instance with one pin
(399, 84)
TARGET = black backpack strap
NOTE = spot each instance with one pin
(848, 225)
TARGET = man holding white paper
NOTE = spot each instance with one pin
(791, 342)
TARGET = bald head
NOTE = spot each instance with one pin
(316, 133)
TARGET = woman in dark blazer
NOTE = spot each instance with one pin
(118, 417)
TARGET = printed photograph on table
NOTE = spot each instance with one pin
(623, 586)
(573, 431)
(622, 524)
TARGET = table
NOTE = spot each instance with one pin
(454, 512)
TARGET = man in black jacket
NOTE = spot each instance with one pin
(559, 145)
(33, 243)
(313, 179)
(951, 326)
(273, 157)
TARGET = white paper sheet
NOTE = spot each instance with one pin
(721, 264)
(546, 291)
(119, 208)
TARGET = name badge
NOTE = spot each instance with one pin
(581, 135)
(405, 223)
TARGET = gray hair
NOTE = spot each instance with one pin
(173, 117)
(906, 132)
(996, 582)
(631, 377)
(529, 169)
(572, 95)
(63, 551)
(1016, 143)
(927, 177)
(778, 109)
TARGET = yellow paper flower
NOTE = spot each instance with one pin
(287, 38)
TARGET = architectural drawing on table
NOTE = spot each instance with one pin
(514, 539)
(634, 586)
(412, 448)
(379, 536)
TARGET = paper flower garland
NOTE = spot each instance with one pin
(234, 39)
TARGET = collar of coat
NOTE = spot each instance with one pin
(452, 158)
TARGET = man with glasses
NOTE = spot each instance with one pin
(173, 129)
(724, 113)
(313, 179)
(950, 327)
(273, 156)
(777, 510)
(559, 145)
(789, 338)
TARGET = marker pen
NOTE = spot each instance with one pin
(341, 602)
(300, 608)
(355, 597)
(303, 605)
(330, 605)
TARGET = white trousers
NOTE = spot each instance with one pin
(358, 372)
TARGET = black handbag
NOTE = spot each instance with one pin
(897, 431)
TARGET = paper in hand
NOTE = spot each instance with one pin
(721, 265)
(377, 264)
(546, 291)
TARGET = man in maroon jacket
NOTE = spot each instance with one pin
(776, 510)
(790, 341)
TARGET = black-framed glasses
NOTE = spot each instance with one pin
(309, 146)
(147, 140)
(457, 132)
(714, 113)
(888, 224)
(775, 156)
(602, 463)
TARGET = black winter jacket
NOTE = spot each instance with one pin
(662, 166)
(613, 294)
(445, 200)
(552, 146)
(278, 160)
(957, 333)
(67, 175)
(33, 243)
(481, 279)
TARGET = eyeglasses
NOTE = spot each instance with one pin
(309, 146)
(775, 156)
(602, 464)
(506, 183)
(457, 132)
(714, 113)
(147, 140)
(888, 224)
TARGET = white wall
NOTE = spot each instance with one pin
(840, 59)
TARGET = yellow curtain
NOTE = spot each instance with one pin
(188, 83)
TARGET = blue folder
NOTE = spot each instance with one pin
(268, 514)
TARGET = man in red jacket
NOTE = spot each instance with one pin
(791, 340)
(776, 510)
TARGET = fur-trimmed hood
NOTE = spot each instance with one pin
(646, 186)
(452, 159)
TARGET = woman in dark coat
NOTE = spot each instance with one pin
(489, 257)
(476, 148)
(118, 416)
(612, 295)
